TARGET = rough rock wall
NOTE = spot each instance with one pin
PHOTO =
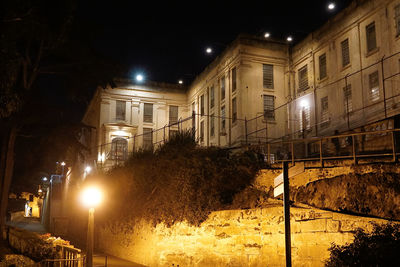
(253, 237)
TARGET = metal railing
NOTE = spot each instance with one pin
(354, 146)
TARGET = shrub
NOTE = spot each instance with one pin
(378, 248)
(179, 181)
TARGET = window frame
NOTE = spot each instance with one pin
(345, 47)
(268, 76)
(269, 114)
(322, 59)
(148, 118)
(303, 84)
(120, 105)
(371, 41)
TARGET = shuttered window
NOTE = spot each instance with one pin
(148, 113)
(303, 78)
(222, 88)
(173, 114)
(223, 118)
(234, 110)
(348, 100)
(212, 97)
(212, 125)
(268, 76)
(322, 66)
(324, 111)
(120, 110)
(345, 52)
(371, 36)
(373, 79)
(147, 138)
(269, 107)
(397, 19)
(233, 79)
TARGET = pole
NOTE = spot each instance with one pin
(245, 128)
(286, 207)
(90, 239)
(347, 102)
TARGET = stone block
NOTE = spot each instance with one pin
(332, 225)
(318, 225)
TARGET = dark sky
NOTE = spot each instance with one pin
(166, 40)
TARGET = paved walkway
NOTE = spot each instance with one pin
(34, 225)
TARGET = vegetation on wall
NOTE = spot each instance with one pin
(378, 248)
(179, 181)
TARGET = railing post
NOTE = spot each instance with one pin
(394, 147)
(347, 103)
(383, 87)
(245, 127)
(354, 149)
(164, 134)
(320, 154)
(292, 146)
(269, 153)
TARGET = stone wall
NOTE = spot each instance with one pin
(253, 237)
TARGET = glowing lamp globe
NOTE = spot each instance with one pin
(91, 197)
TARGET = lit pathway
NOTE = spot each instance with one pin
(99, 259)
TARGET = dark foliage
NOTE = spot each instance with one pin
(179, 181)
(378, 248)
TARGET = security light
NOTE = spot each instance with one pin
(139, 77)
(180, 82)
(331, 6)
(209, 50)
(289, 39)
(267, 35)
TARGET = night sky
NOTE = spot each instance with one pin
(166, 40)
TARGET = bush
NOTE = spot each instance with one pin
(179, 181)
(378, 248)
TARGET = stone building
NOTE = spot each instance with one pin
(340, 77)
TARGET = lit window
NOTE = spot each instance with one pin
(322, 66)
(303, 78)
(147, 138)
(348, 98)
(234, 110)
(324, 111)
(212, 128)
(223, 88)
(269, 107)
(371, 36)
(119, 149)
(397, 19)
(345, 52)
(202, 105)
(212, 94)
(173, 114)
(120, 110)
(148, 113)
(223, 118)
(268, 76)
(373, 79)
(233, 79)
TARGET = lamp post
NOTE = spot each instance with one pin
(91, 198)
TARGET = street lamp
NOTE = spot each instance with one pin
(91, 197)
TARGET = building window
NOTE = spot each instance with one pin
(120, 110)
(212, 128)
(202, 131)
(268, 76)
(371, 36)
(324, 111)
(269, 107)
(373, 79)
(212, 94)
(345, 52)
(148, 112)
(348, 101)
(173, 114)
(202, 105)
(303, 78)
(119, 149)
(233, 79)
(147, 138)
(305, 122)
(234, 110)
(223, 118)
(397, 19)
(222, 88)
(322, 66)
